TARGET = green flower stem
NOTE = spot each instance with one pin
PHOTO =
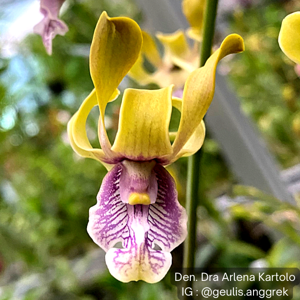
(193, 177)
(208, 30)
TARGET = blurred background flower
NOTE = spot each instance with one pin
(50, 25)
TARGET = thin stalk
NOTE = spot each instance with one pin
(208, 30)
(193, 176)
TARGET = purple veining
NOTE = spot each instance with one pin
(108, 218)
(138, 227)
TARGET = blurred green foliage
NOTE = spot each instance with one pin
(46, 189)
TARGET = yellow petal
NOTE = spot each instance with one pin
(194, 34)
(194, 11)
(115, 48)
(289, 37)
(150, 50)
(199, 91)
(77, 130)
(175, 44)
(195, 141)
(144, 124)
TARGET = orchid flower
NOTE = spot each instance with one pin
(137, 203)
(50, 25)
(289, 36)
(179, 59)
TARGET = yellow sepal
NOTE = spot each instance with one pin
(194, 11)
(115, 48)
(289, 37)
(149, 49)
(175, 44)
